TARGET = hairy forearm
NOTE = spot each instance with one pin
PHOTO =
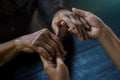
(111, 43)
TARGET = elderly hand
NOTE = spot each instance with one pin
(42, 41)
(56, 70)
(61, 18)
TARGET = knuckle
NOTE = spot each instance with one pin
(51, 49)
(55, 45)
(34, 43)
(88, 13)
(42, 34)
(56, 38)
(45, 30)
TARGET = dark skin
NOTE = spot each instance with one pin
(56, 70)
(39, 41)
(92, 28)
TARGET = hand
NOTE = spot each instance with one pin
(56, 71)
(42, 41)
(62, 18)
(92, 24)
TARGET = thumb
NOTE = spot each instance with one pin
(59, 60)
(56, 28)
(44, 61)
(80, 12)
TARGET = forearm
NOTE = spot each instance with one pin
(111, 44)
(7, 51)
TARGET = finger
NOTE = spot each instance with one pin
(58, 23)
(85, 36)
(44, 53)
(47, 46)
(56, 28)
(69, 23)
(74, 19)
(55, 46)
(44, 61)
(45, 43)
(86, 24)
(71, 27)
(80, 33)
(80, 12)
(59, 60)
(59, 44)
(64, 25)
(48, 65)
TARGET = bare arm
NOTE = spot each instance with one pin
(111, 43)
(94, 28)
(7, 51)
(40, 41)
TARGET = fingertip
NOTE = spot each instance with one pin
(63, 24)
(73, 8)
(59, 59)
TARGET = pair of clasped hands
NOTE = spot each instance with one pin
(83, 24)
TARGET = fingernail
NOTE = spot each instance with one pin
(73, 8)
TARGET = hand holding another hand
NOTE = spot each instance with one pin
(83, 24)
(56, 70)
(42, 41)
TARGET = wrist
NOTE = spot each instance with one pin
(106, 36)
(105, 31)
(19, 44)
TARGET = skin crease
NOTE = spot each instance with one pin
(57, 70)
(100, 31)
(83, 24)
(30, 43)
(66, 16)
(39, 41)
(91, 27)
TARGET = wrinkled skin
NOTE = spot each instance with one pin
(42, 41)
(83, 24)
(62, 18)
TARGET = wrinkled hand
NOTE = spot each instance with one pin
(42, 41)
(63, 18)
(92, 25)
(57, 70)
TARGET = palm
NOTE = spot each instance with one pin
(95, 26)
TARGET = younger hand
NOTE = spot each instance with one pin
(93, 25)
(57, 70)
